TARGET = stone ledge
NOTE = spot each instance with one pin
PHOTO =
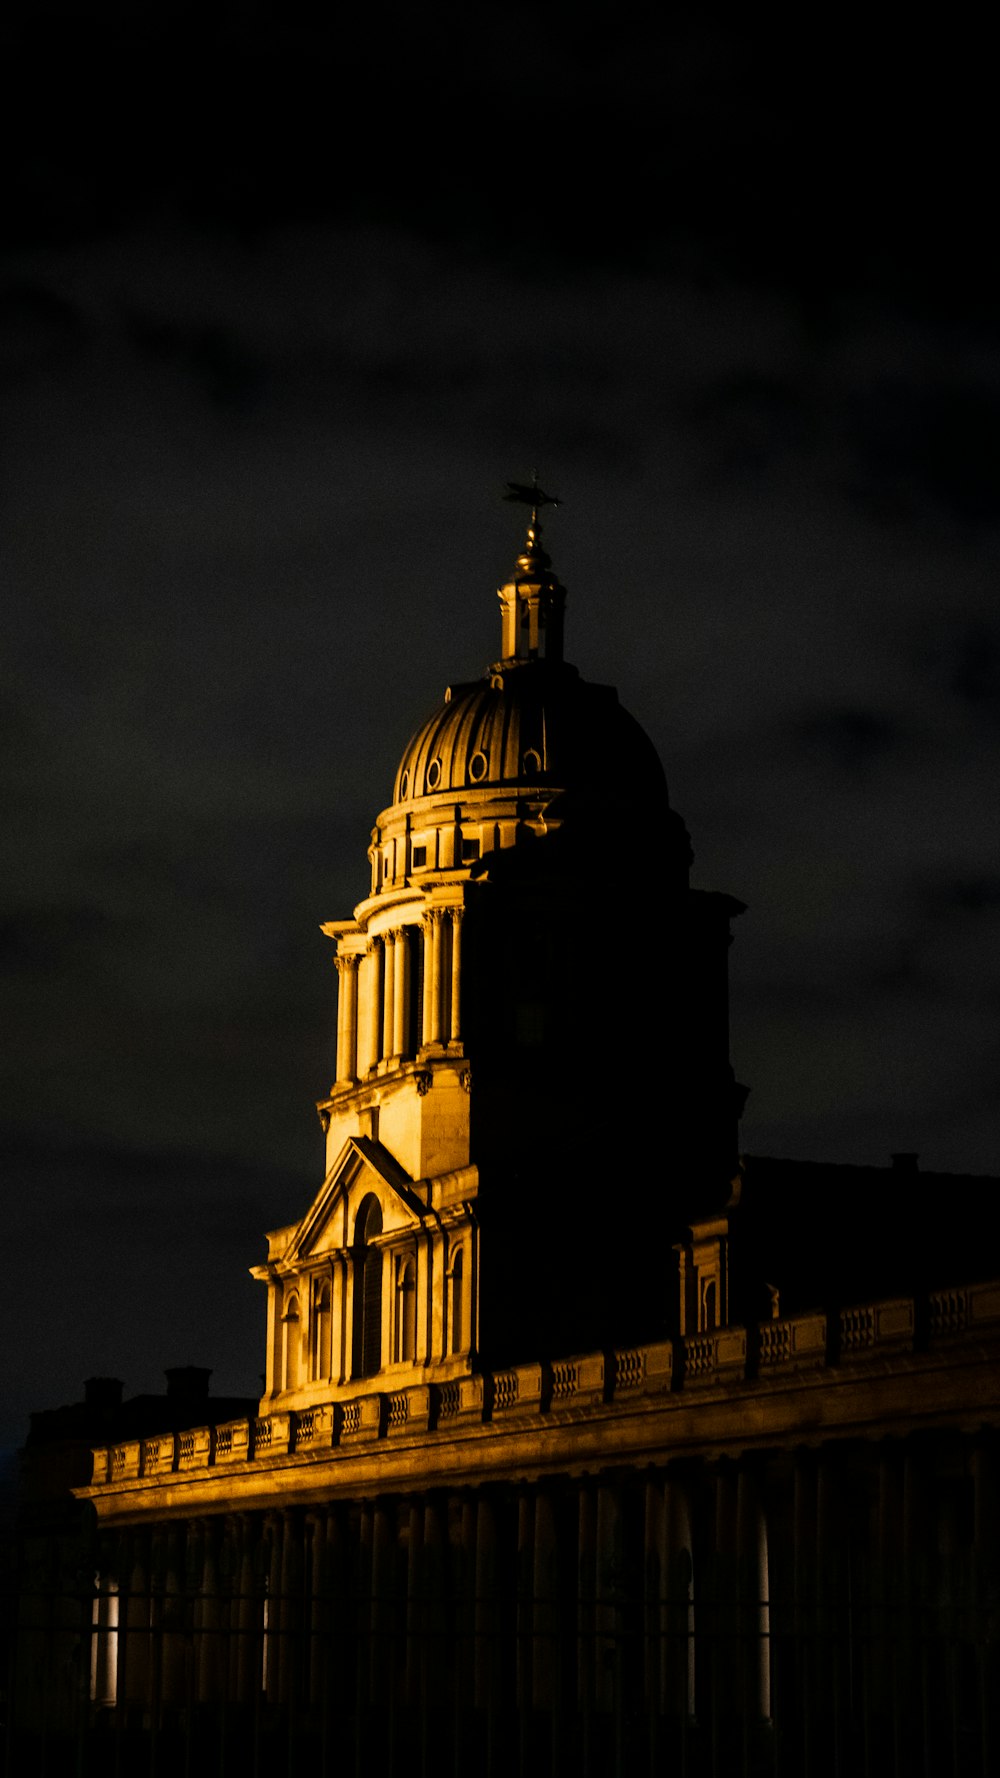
(797, 1342)
(515, 1391)
(699, 1368)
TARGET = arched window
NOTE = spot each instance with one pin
(406, 1311)
(709, 1310)
(367, 1344)
(321, 1336)
(456, 1321)
(290, 1342)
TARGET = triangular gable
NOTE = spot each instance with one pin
(362, 1166)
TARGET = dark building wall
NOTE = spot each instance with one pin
(799, 1611)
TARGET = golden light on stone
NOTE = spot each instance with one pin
(527, 1375)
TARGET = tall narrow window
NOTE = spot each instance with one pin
(367, 1359)
(456, 1318)
(321, 1336)
(406, 1312)
(709, 1308)
(290, 1343)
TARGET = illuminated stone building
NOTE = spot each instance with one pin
(587, 1445)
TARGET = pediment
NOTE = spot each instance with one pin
(363, 1168)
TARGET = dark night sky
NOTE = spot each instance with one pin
(281, 313)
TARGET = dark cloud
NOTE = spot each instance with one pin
(40, 332)
(855, 741)
(213, 355)
(51, 940)
(137, 1240)
(271, 374)
(917, 444)
(975, 667)
(964, 896)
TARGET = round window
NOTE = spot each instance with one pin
(531, 764)
(404, 787)
(434, 774)
(477, 767)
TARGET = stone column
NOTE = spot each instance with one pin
(401, 994)
(340, 1647)
(173, 1610)
(525, 1597)
(338, 1320)
(654, 1613)
(804, 1597)
(586, 1615)
(248, 1609)
(318, 1635)
(389, 941)
(724, 1686)
(208, 1629)
(134, 1620)
(338, 964)
(679, 1654)
(381, 1653)
(373, 1008)
(272, 1610)
(431, 1022)
(347, 1018)
(437, 972)
(104, 1640)
(414, 1603)
(545, 1619)
(434, 1650)
(754, 1600)
(455, 1023)
(487, 1662)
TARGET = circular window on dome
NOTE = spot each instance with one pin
(434, 774)
(478, 767)
(531, 763)
(404, 787)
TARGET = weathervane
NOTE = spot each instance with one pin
(535, 497)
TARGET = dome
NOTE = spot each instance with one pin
(529, 752)
(531, 724)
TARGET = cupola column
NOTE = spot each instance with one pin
(368, 1055)
(437, 974)
(347, 1018)
(389, 942)
(432, 976)
(401, 995)
(455, 1030)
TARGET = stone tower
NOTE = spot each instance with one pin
(533, 1089)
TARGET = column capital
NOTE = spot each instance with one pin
(455, 915)
(346, 962)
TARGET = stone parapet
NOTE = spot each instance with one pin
(768, 1375)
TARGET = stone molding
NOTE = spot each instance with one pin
(795, 1352)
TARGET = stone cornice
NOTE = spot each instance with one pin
(878, 1370)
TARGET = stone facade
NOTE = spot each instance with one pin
(578, 1451)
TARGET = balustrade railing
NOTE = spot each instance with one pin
(591, 1382)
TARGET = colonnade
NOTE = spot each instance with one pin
(402, 994)
(800, 1613)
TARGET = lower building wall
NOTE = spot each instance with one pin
(797, 1611)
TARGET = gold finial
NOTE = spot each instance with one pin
(532, 600)
(536, 498)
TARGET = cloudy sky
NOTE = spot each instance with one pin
(281, 313)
